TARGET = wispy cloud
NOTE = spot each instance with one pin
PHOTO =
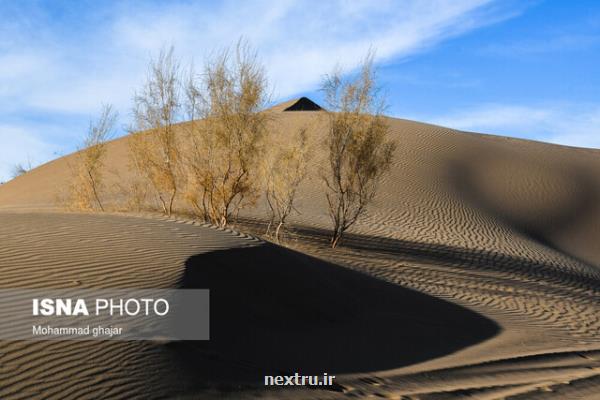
(65, 62)
(567, 124)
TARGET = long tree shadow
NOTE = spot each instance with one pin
(273, 310)
(586, 276)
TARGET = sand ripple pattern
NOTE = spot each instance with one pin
(544, 309)
(56, 250)
(506, 227)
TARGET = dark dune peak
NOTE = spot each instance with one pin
(304, 104)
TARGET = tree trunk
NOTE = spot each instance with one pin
(93, 182)
(164, 205)
(269, 226)
(277, 231)
(171, 200)
(336, 238)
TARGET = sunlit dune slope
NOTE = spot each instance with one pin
(517, 197)
(486, 248)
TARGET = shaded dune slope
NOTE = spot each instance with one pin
(310, 316)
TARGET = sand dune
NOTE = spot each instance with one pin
(486, 250)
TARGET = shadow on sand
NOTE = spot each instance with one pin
(277, 311)
(571, 198)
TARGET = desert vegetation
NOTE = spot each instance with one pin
(285, 171)
(20, 169)
(87, 185)
(157, 156)
(227, 145)
(359, 151)
(224, 158)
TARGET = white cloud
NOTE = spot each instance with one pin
(298, 41)
(567, 124)
(69, 67)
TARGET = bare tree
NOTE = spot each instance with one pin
(88, 183)
(21, 169)
(227, 145)
(358, 148)
(285, 172)
(154, 149)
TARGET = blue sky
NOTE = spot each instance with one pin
(518, 68)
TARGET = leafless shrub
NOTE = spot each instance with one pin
(154, 150)
(285, 172)
(227, 145)
(87, 183)
(358, 148)
(20, 169)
